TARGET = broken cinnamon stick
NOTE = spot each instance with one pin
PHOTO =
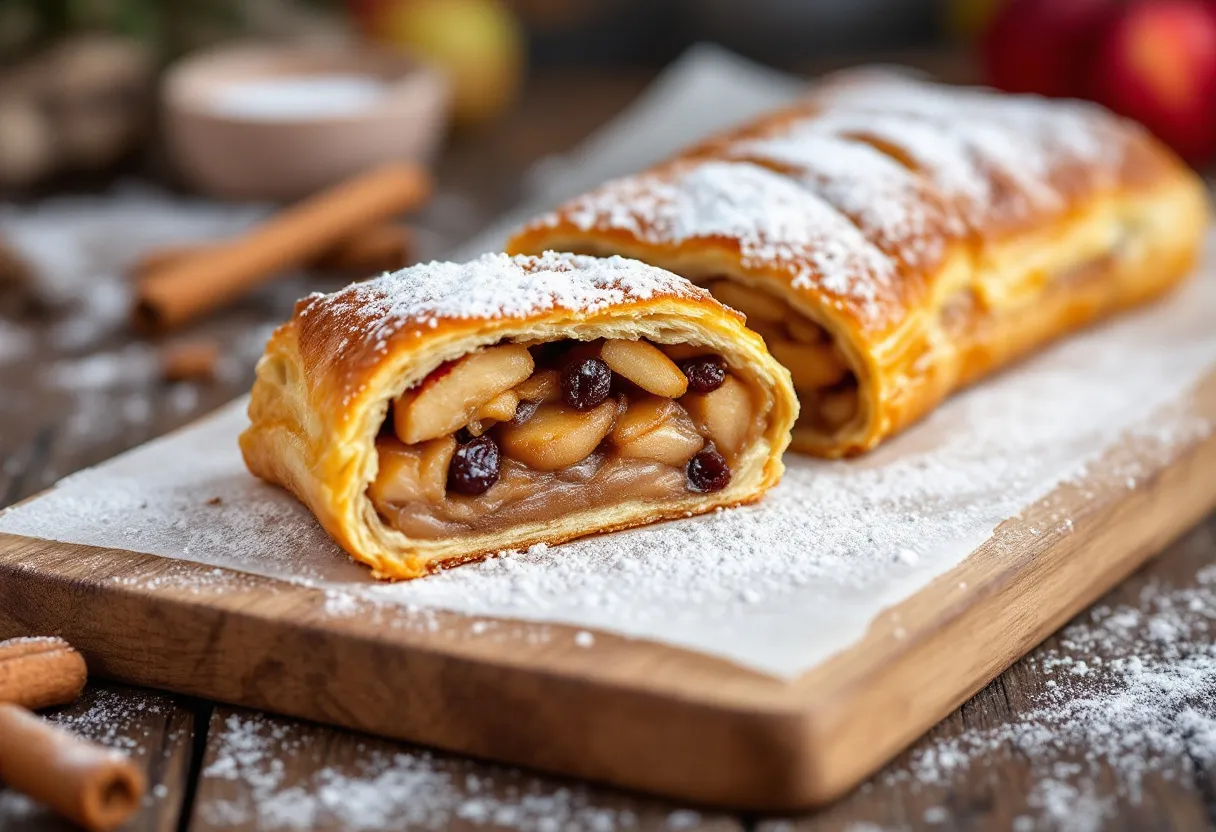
(190, 361)
(14, 270)
(378, 248)
(383, 247)
(40, 672)
(95, 787)
(294, 237)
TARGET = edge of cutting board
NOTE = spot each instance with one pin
(632, 713)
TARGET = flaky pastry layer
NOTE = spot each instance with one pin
(935, 234)
(326, 381)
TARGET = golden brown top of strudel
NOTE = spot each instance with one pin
(344, 337)
(860, 191)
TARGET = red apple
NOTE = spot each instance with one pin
(366, 14)
(1157, 64)
(1043, 46)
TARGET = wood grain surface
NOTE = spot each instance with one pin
(41, 441)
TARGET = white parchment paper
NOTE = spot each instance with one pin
(776, 587)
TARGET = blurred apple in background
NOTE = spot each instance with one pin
(1043, 46)
(478, 43)
(1157, 64)
(1151, 60)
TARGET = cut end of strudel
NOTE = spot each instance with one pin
(449, 411)
(893, 240)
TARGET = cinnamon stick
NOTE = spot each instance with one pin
(14, 270)
(95, 787)
(40, 672)
(190, 361)
(378, 248)
(381, 247)
(292, 238)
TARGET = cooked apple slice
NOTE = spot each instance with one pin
(557, 436)
(812, 366)
(754, 303)
(839, 406)
(412, 473)
(542, 386)
(803, 331)
(449, 397)
(673, 441)
(646, 366)
(725, 414)
(640, 417)
(501, 408)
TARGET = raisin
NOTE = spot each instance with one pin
(549, 353)
(708, 471)
(705, 373)
(586, 383)
(474, 467)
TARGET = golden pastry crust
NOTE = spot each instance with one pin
(327, 378)
(934, 233)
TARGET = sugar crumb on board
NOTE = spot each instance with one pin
(1143, 706)
(384, 786)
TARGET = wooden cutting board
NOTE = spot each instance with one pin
(632, 713)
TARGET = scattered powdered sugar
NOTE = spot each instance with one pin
(777, 586)
(80, 249)
(113, 718)
(130, 365)
(341, 604)
(384, 788)
(769, 216)
(1146, 707)
(496, 286)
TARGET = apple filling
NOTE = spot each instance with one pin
(826, 385)
(524, 433)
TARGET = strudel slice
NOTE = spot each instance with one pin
(447, 411)
(893, 240)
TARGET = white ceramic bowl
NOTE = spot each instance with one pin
(290, 150)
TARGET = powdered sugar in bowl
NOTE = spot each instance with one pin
(275, 122)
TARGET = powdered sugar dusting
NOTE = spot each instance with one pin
(890, 203)
(774, 221)
(386, 788)
(497, 286)
(943, 156)
(1145, 707)
(778, 586)
(990, 157)
(1027, 140)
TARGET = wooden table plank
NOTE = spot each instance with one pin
(1033, 787)
(154, 729)
(268, 773)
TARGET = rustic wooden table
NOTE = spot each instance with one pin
(991, 764)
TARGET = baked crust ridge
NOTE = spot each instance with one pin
(935, 234)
